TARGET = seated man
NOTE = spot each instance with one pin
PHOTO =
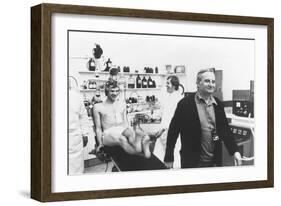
(112, 127)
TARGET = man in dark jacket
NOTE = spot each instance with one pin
(201, 122)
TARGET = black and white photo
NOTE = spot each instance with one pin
(166, 101)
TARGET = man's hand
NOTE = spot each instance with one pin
(99, 147)
(169, 165)
(237, 159)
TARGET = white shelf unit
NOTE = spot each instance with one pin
(127, 89)
(102, 77)
(134, 73)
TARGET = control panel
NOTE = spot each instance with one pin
(242, 129)
(240, 134)
(243, 108)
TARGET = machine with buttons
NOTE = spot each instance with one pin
(243, 101)
(242, 129)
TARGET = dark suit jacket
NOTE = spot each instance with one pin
(186, 123)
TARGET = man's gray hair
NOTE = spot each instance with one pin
(202, 71)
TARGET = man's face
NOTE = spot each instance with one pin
(207, 85)
(113, 93)
(169, 86)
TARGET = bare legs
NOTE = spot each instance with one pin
(138, 140)
(133, 140)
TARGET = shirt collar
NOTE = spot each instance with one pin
(199, 98)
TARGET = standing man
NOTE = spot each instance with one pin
(201, 122)
(169, 102)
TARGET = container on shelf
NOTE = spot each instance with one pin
(144, 82)
(138, 81)
(131, 82)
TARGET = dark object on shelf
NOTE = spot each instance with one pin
(126, 69)
(150, 99)
(91, 65)
(132, 100)
(138, 81)
(156, 70)
(144, 82)
(150, 83)
(153, 98)
(148, 70)
(108, 65)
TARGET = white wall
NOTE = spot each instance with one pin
(234, 56)
(15, 102)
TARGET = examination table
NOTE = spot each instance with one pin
(127, 162)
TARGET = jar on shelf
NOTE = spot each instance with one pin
(169, 68)
(92, 84)
(131, 82)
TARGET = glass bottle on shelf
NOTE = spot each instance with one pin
(144, 82)
(90, 84)
(131, 82)
(149, 82)
(138, 81)
(153, 84)
(91, 65)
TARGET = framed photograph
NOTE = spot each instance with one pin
(129, 102)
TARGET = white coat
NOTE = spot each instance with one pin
(169, 103)
(78, 127)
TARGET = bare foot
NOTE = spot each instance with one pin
(155, 136)
(145, 146)
(138, 139)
